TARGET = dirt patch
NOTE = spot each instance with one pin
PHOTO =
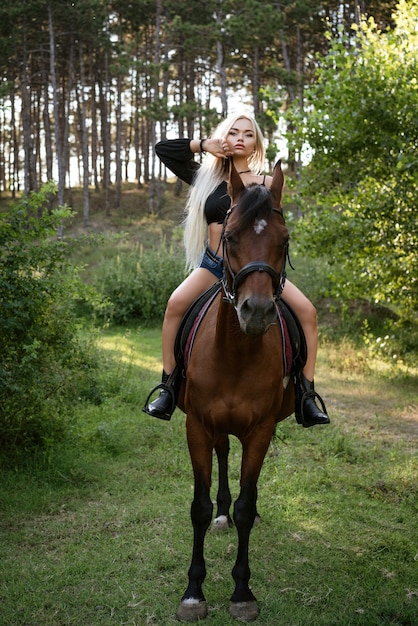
(381, 409)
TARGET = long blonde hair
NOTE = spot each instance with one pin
(209, 176)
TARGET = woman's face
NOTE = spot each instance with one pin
(241, 138)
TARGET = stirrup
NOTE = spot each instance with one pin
(303, 419)
(170, 385)
(309, 393)
(312, 394)
(168, 389)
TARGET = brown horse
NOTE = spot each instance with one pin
(235, 381)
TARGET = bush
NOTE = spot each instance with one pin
(44, 364)
(137, 284)
(359, 189)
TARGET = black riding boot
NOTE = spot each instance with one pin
(307, 412)
(163, 406)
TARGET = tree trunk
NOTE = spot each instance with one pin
(154, 200)
(94, 132)
(105, 130)
(137, 131)
(118, 143)
(47, 126)
(66, 98)
(220, 65)
(26, 118)
(83, 139)
(3, 143)
(287, 65)
(256, 80)
(58, 141)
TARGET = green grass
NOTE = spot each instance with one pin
(98, 532)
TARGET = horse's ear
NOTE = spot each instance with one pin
(235, 184)
(277, 184)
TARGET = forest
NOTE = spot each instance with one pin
(88, 86)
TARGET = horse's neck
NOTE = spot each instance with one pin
(227, 326)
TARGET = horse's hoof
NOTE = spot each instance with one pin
(244, 611)
(223, 522)
(192, 610)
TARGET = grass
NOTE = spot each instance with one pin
(98, 533)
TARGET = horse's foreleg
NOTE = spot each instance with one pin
(244, 516)
(223, 519)
(243, 603)
(193, 605)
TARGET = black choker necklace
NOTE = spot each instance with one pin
(244, 172)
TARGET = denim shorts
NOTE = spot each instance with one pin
(213, 262)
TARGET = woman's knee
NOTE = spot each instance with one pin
(311, 312)
(176, 306)
(306, 312)
(310, 316)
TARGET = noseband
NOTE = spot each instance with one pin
(278, 278)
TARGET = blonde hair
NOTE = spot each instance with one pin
(209, 176)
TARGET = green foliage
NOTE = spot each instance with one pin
(43, 364)
(137, 284)
(363, 177)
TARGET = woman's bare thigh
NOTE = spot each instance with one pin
(302, 306)
(191, 288)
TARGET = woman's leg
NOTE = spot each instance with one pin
(191, 288)
(307, 412)
(306, 313)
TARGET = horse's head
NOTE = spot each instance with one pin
(255, 240)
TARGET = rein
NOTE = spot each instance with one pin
(279, 278)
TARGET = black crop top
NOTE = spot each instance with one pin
(217, 204)
(177, 156)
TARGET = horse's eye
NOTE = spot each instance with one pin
(229, 238)
(285, 243)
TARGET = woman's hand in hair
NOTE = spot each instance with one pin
(217, 147)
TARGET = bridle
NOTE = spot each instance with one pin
(278, 278)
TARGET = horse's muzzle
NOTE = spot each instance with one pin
(256, 315)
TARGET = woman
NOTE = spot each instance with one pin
(239, 137)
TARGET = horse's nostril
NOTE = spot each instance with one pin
(257, 315)
(246, 309)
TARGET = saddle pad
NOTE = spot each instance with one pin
(192, 334)
(189, 320)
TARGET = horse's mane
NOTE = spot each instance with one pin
(255, 202)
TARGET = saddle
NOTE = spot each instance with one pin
(293, 337)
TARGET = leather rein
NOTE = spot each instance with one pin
(278, 278)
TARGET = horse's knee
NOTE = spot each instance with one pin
(201, 511)
(245, 510)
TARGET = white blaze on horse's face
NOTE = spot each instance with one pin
(259, 226)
